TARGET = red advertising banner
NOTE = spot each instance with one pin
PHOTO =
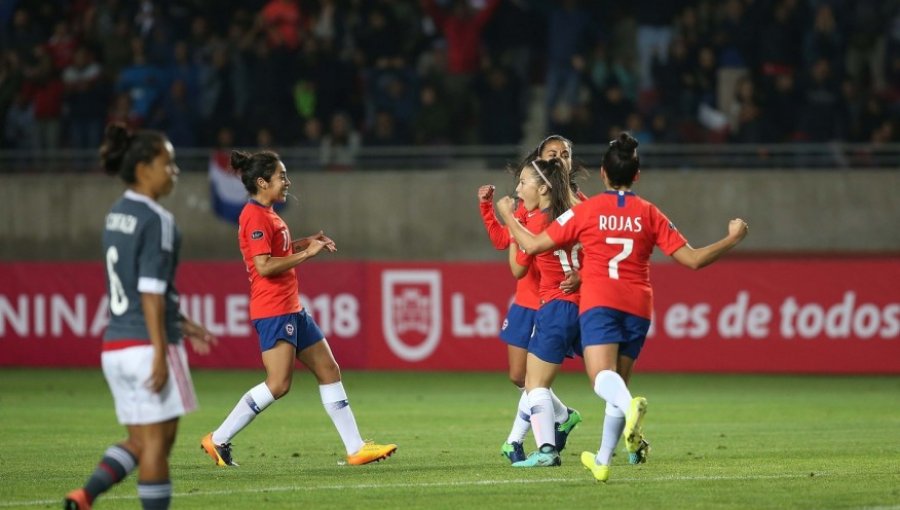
(791, 316)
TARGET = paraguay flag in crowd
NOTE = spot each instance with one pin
(227, 192)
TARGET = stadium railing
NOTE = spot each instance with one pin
(834, 156)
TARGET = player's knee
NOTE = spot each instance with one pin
(517, 377)
(279, 388)
(328, 374)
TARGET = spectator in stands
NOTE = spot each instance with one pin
(822, 104)
(44, 90)
(85, 99)
(432, 124)
(461, 27)
(499, 114)
(341, 145)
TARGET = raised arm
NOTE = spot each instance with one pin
(497, 232)
(696, 258)
(531, 243)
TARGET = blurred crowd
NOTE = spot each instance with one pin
(340, 74)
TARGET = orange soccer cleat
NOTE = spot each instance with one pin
(371, 452)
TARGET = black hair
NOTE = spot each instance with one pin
(557, 173)
(621, 160)
(122, 150)
(577, 170)
(253, 166)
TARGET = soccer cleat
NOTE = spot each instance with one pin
(77, 500)
(514, 452)
(640, 456)
(221, 454)
(565, 428)
(371, 452)
(633, 420)
(600, 472)
(546, 456)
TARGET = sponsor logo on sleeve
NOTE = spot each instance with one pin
(256, 235)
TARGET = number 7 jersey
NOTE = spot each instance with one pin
(617, 231)
(262, 232)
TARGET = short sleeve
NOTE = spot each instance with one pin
(257, 232)
(668, 238)
(155, 256)
(565, 229)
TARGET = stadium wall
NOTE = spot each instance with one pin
(432, 215)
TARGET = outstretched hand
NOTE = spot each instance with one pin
(304, 243)
(200, 338)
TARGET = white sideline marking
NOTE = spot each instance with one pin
(462, 483)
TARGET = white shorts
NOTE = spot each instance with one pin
(127, 372)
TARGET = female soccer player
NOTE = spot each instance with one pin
(545, 193)
(618, 231)
(286, 332)
(143, 359)
(519, 322)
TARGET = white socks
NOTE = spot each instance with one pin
(252, 403)
(542, 423)
(560, 411)
(522, 422)
(613, 425)
(610, 386)
(334, 399)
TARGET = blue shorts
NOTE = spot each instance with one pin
(298, 329)
(602, 325)
(556, 331)
(518, 326)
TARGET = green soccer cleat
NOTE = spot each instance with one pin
(640, 456)
(600, 472)
(633, 424)
(513, 452)
(546, 456)
(565, 428)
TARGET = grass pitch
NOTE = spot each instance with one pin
(718, 442)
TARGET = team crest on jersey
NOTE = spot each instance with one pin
(411, 311)
(256, 235)
(289, 329)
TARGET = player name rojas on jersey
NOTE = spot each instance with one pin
(118, 222)
(620, 223)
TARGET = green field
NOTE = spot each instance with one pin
(718, 442)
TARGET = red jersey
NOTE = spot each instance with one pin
(527, 286)
(618, 231)
(552, 266)
(263, 232)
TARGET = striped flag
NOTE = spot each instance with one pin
(227, 192)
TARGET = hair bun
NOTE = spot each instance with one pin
(239, 160)
(116, 140)
(626, 143)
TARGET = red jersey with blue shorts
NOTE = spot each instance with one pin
(552, 266)
(526, 287)
(556, 331)
(263, 232)
(617, 231)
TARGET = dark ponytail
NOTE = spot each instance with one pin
(121, 150)
(253, 166)
(557, 173)
(621, 160)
